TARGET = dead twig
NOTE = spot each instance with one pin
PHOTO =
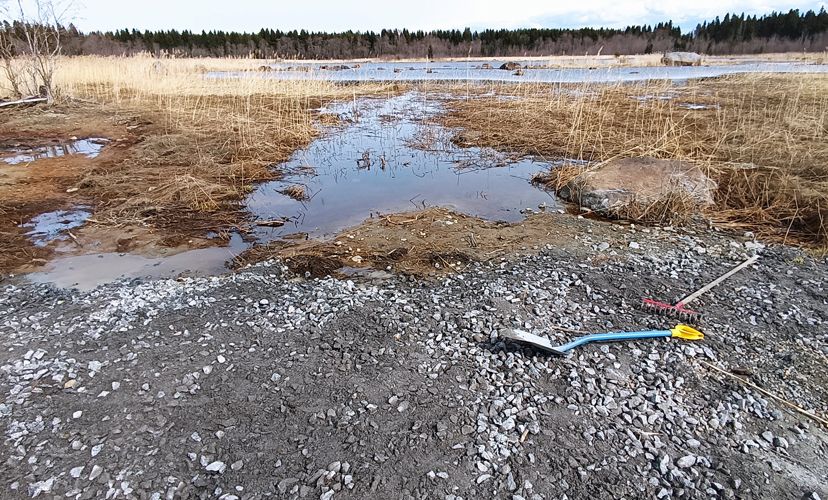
(270, 223)
(778, 399)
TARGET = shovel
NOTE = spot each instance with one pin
(680, 331)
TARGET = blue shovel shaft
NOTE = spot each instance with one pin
(610, 337)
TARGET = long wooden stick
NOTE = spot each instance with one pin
(695, 295)
(755, 387)
(31, 100)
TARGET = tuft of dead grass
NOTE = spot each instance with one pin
(775, 124)
(297, 192)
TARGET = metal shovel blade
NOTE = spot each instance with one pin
(531, 339)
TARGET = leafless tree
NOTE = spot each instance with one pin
(7, 53)
(30, 47)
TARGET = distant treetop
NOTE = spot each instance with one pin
(735, 33)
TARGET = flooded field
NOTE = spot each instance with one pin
(387, 157)
(531, 71)
(374, 156)
(384, 155)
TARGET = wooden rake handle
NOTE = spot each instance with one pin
(701, 291)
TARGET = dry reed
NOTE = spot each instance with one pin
(763, 138)
(203, 140)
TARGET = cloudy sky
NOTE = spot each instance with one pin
(339, 15)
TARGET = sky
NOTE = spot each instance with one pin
(341, 15)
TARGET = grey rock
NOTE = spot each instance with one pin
(216, 467)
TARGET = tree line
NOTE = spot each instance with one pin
(735, 33)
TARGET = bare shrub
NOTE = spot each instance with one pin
(30, 47)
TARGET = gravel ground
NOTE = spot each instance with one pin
(263, 384)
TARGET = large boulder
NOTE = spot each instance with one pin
(681, 59)
(641, 181)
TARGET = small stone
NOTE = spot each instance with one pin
(75, 472)
(221, 359)
(286, 483)
(663, 464)
(96, 472)
(237, 465)
(77, 414)
(97, 449)
(217, 467)
(483, 478)
(686, 461)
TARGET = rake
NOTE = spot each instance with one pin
(679, 309)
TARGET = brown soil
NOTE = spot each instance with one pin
(152, 189)
(430, 242)
(29, 190)
(178, 166)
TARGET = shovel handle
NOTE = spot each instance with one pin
(610, 337)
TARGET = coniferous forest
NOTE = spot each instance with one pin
(792, 31)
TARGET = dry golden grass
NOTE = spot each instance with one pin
(204, 140)
(187, 146)
(763, 138)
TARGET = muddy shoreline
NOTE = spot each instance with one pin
(410, 163)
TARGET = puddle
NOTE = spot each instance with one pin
(85, 272)
(697, 107)
(371, 167)
(54, 226)
(88, 147)
(659, 97)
